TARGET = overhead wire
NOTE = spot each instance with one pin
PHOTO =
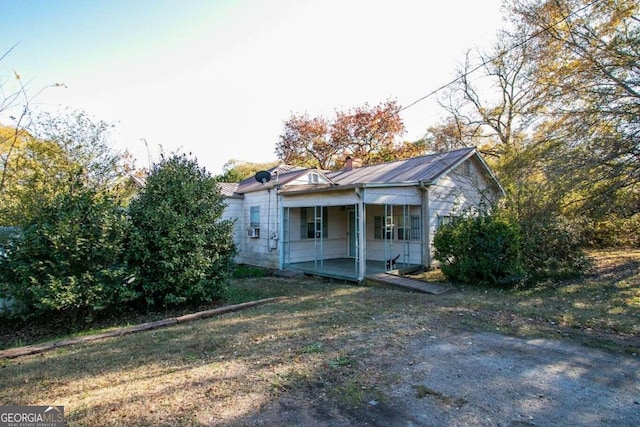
(499, 55)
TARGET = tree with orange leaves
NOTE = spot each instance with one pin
(370, 133)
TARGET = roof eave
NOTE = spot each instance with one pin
(347, 187)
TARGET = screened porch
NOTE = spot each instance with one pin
(349, 242)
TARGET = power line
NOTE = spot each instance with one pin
(501, 54)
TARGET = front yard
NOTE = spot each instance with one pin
(330, 344)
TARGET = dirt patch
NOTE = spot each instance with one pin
(478, 379)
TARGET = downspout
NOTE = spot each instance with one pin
(362, 261)
(426, 247)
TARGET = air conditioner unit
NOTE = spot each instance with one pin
(253, 232)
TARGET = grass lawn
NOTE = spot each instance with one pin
(329, 336)
(601, 309)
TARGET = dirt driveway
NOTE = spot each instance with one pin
(482, 379)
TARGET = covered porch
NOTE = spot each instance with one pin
(349, 235)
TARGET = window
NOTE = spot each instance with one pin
(409, 229)
(380, 229)
(254, 219)
(314, 178)
(309, 229)
(445, 219)
(404, 229)
(416, 228)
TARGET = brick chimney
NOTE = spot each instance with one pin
(352, 163)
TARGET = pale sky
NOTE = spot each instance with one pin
(218, 78)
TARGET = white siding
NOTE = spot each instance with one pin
(259, 251)
(308, 179)
(458, 192)
(372, 195)
(329, 198)
(392, 195)
(233, 211)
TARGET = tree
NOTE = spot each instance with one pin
(46, 160)
(69, 257)
(501, 107)
(560, 100)
(236, 171)
(587, 70)
(500, 112)
(548, 173)
(15, 103)
(369, 133)
(306, 141)
(85, 142)
(452, 134)
(180, 249)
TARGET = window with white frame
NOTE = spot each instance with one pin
(254, 217)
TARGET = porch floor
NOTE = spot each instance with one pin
(345, 268)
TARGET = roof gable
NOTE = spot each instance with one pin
(282, 175)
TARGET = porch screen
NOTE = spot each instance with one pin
(307, 222)
(409, 228)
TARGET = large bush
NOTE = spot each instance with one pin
(551, 248)
(69, 258)
(479, 250)
(180, 249)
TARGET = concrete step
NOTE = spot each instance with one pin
(395, 281)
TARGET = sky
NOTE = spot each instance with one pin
(217, 79)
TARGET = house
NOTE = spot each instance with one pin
(357, 221)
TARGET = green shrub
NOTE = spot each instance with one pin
(551, 248)
(479, 250)
(180, 249)
(69, 258)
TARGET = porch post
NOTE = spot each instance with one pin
(362, 250)
(282, 236)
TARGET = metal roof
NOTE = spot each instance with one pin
(280, 175)
(424, 168)
(228, 189)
